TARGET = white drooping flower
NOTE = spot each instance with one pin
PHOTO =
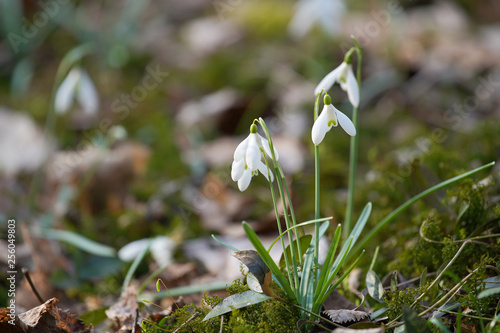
(248, 159)
(330, 117)
(325, 13)
(79, 85)
(343, 75)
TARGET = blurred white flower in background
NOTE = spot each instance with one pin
(77, 84)
(161, 248)
(327, 13)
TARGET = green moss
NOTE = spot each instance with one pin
(397, 299)
(266, 317)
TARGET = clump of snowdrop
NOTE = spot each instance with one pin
(79, 85)
(330, 117)
(248, 159)
(344, 76)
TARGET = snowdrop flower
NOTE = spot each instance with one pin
(344, 75)
(330, 117)
(77, 84)
(328, 13)
(247, 159)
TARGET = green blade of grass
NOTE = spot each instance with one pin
(83, 243)
(135, 264)
(408, 203)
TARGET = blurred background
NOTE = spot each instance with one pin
(119, 119)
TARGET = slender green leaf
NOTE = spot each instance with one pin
(252, 236)
(135, 264)
(374, 259)
(379, 312)
(304, 244)
(492, 282)
(308, 273)
(394, 281)
(307, 280)
(408, 203)
(356, 231)
(331, 287)
(493, 324)
(374, 286)
(413, 323)
(236, 301)
(439, 325)
(81, 242)
(186, 290)
(488, 292)
(324, 219)
(323, 289)
(225, 244)
(445, 307)
(328, 260)
(464, 206)
(423, 277)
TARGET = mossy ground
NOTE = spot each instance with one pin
(266, 317)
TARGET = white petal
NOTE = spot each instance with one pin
(346, 123)
(320, 128)
(162, 249)
(66, 91)
(253, 153)
(265, 145)
(263, 170)
(87, 94)
(244, 181)
(331, 115)
(352, 88)
(237, 169)
(240, 151)
(130, 251)
(328, 80)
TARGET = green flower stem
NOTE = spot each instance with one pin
(292, 214)
(316, 188)
(278, 222)
(353, 153)
(290, 237)
(408, 203)
(280, 177)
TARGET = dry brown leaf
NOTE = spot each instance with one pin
(44, 318)
(345, 316)
(124, 312)
(366, 330)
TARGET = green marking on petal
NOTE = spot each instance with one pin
(332, 123)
